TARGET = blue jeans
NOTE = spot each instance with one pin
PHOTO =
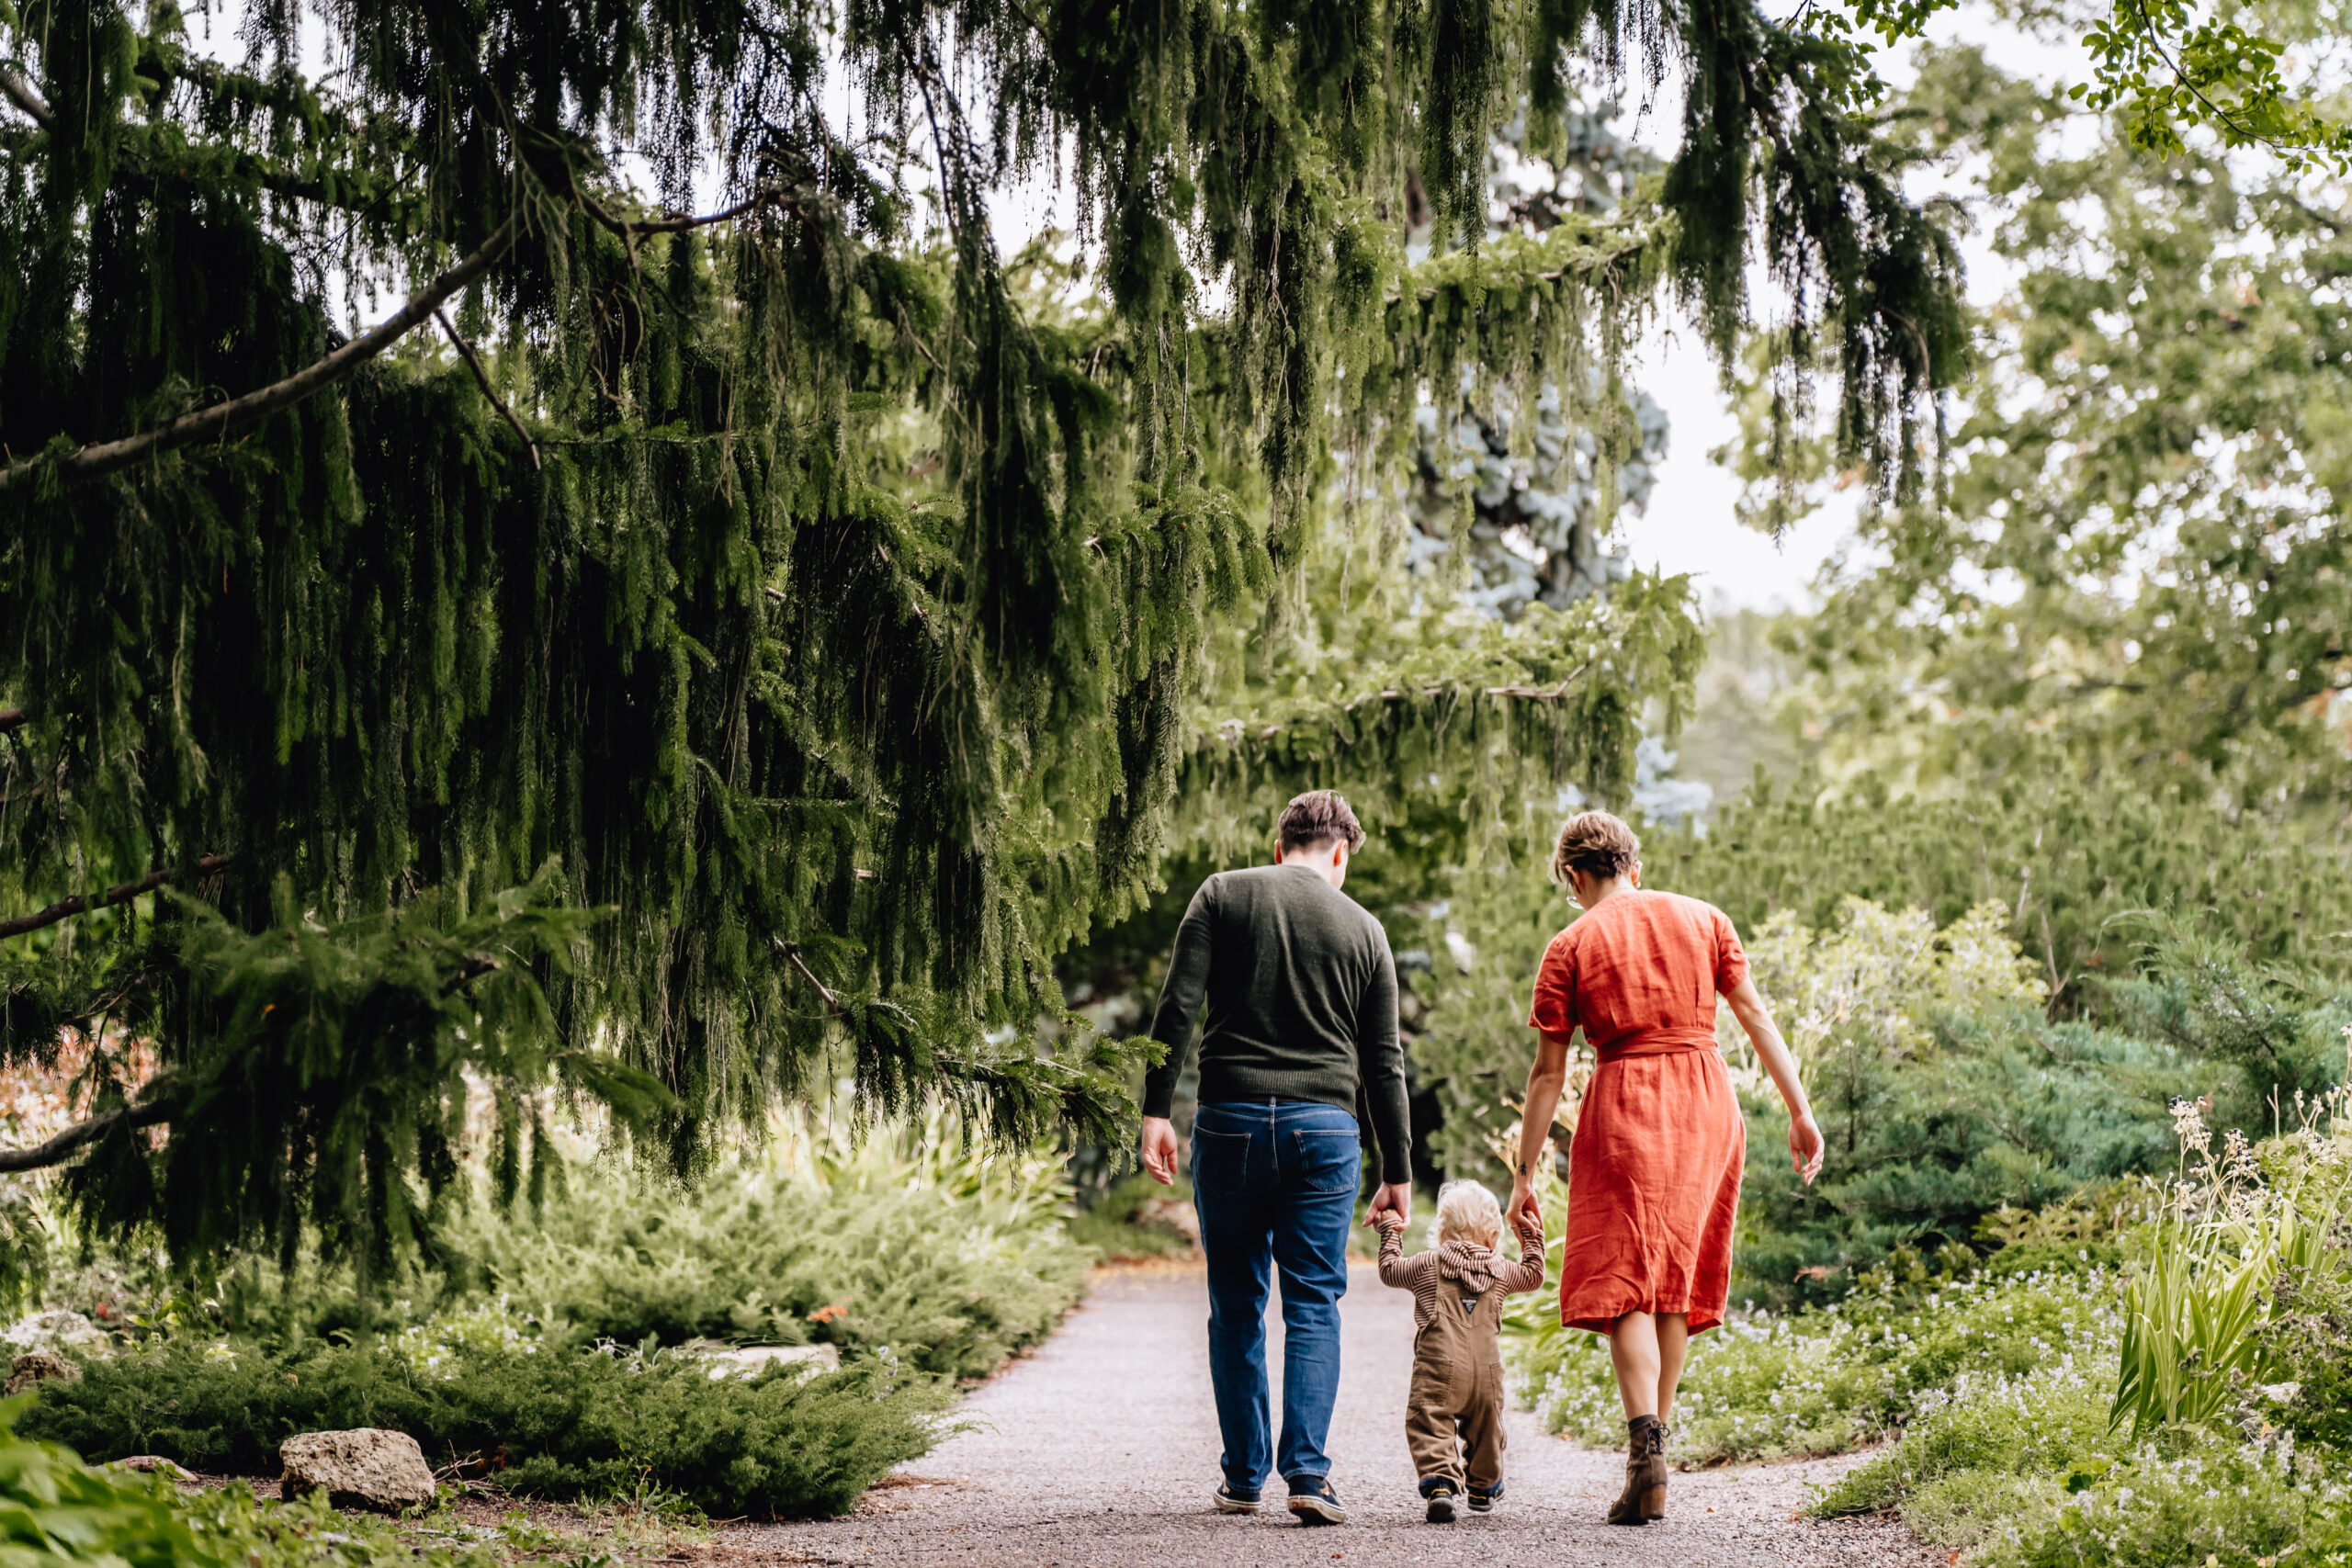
(1275, 1182)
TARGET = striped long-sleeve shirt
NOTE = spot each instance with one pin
(1455, 1265)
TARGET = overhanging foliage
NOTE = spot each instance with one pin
(824, 599)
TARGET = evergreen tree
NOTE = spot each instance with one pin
(1541, 504)
(765, 638)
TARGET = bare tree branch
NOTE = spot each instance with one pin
(466, 351)
(121, 893)
(220, 418)
(26, 96)
(678, 223)
(40, 1156)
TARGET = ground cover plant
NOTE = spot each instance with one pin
(1824, 1380)
(564, 1350)
(55, 1509)
(2151, 1374)
(553, 1417)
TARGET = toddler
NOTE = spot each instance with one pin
(1456, 1401)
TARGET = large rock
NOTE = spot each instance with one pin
(805, 1360)
(39, 1366)
(365, 1468)
(51, 1330)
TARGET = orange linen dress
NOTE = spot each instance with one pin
(1654, 1167)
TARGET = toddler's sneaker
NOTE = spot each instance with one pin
(1441, 1501)
(1483, 1502)
(1231, 1499)
(1312, 1499)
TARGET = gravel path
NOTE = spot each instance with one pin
(1100, 1451)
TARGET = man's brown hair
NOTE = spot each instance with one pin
(1317, 817)
(1596, 843)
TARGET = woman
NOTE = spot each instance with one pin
(1654, 1167)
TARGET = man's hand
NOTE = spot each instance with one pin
(1395, 1198)
(1159, 1149)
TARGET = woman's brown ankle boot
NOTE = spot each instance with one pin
(1644, 1497)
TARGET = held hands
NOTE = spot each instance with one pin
(1393, 1203)
(1805, 1145)
(1159, 1149)
(1522, 1212)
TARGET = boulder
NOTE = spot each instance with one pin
(39, 1366)
(365, 1468)
(50, 1330)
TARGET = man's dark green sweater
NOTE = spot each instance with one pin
(1301, 996)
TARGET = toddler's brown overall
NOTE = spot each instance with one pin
(1458, 1388)
(1454, 1407)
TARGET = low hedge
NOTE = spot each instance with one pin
(556, 1421)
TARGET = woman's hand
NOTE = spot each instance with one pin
(1522, 1211)
(1806, 1144)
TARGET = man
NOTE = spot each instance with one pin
(1300, 1029)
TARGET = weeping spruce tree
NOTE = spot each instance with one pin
(678, 656)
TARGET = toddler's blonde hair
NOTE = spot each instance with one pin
(1468, 1212)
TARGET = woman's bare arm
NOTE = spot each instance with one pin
(1804, 1136)
(1544, 1081)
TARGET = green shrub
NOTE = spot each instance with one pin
(2240, 1277)
(550, 1419)
(1125, 1220)
(951, 1257)
(1825, 1381)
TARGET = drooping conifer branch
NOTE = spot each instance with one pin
(220, 418)
(466, 351)
(788, 704)
(121, 893)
